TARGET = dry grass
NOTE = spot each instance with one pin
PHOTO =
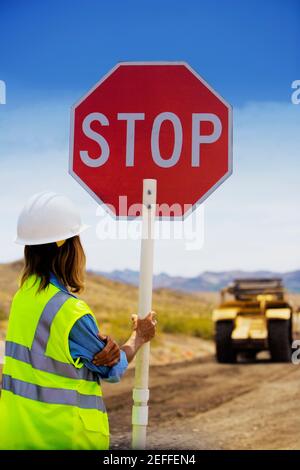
(114, 302)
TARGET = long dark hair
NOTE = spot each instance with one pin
(67, 262)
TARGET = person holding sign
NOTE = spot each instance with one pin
(55, 356)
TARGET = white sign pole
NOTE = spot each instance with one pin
(141, 391)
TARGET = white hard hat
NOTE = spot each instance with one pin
(48, 217)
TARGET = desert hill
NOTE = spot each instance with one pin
(113, 302)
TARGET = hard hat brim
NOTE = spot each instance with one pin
(21, 241)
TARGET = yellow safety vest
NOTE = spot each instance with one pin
(48, 400)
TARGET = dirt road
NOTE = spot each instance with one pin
(200, 404)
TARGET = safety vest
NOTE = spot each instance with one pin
(48, 400)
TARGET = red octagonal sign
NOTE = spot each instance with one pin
(151, 120)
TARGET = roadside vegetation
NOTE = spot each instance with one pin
(114, 302)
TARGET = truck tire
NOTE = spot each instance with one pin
(249, 355)
(224, 347)
(279, 333)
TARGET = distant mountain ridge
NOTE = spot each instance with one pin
(208, 281)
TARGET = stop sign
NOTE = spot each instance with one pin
(151, 120)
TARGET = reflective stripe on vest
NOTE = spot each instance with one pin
(57, 396)
(42, 331)
(46, 363)
(35, 356)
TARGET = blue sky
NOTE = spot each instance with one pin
(52, 52)
(248, 50)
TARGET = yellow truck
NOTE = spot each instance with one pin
(256, 317)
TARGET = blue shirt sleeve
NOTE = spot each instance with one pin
(84, 342)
